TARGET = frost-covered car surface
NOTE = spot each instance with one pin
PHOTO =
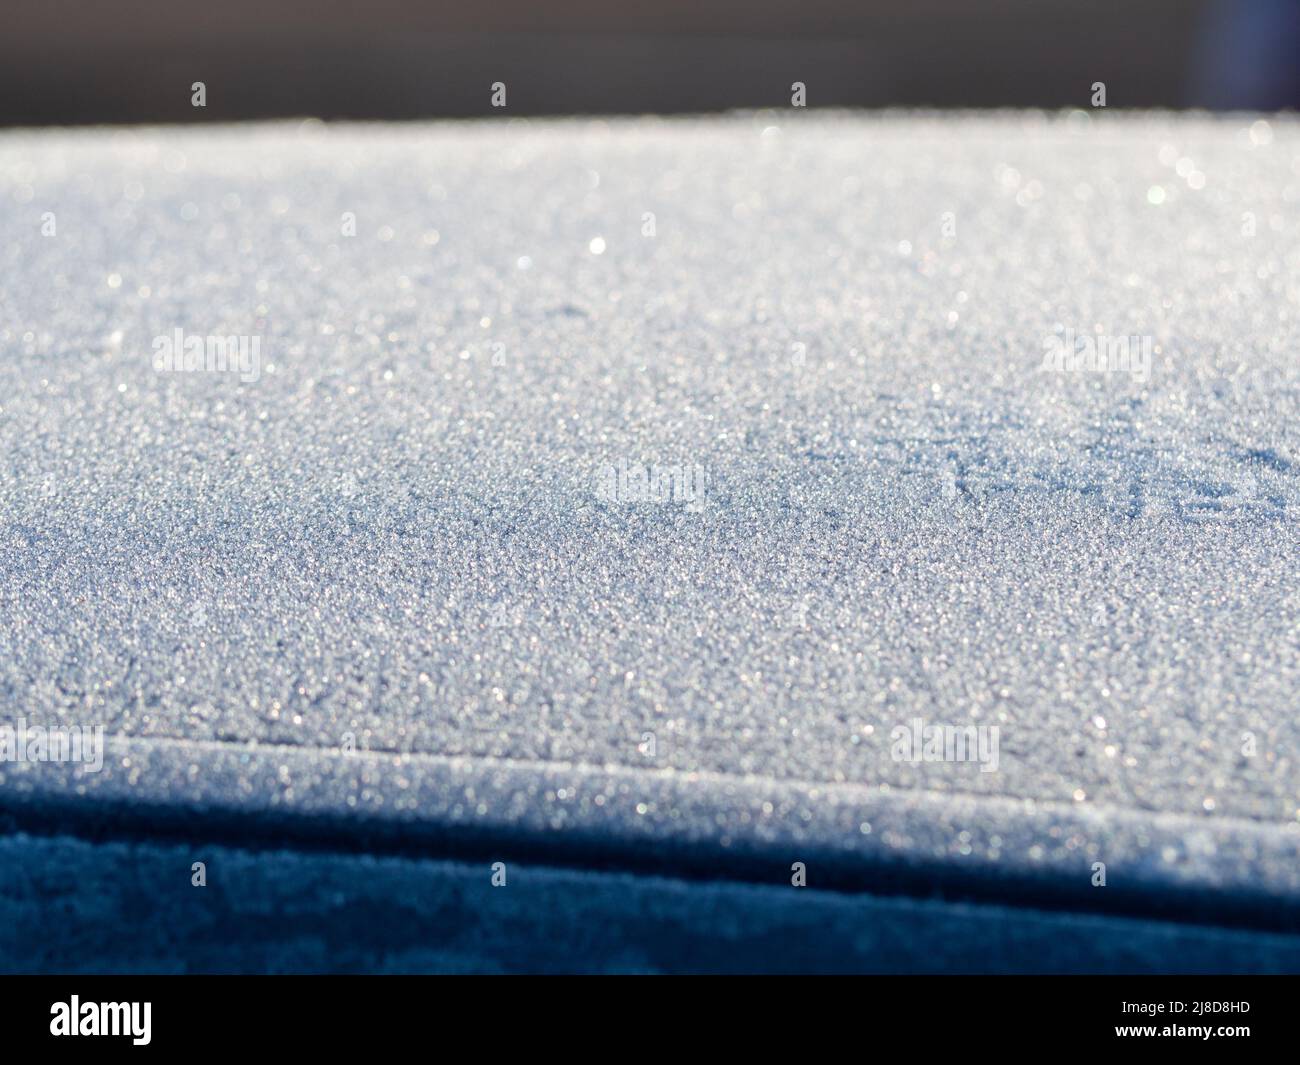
(909, 497)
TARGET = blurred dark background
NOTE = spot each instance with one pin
(135, 60)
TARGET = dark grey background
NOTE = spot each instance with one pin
(74, 61)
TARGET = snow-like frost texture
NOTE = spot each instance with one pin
(394, 536)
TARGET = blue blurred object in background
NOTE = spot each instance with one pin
(1246, 56)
